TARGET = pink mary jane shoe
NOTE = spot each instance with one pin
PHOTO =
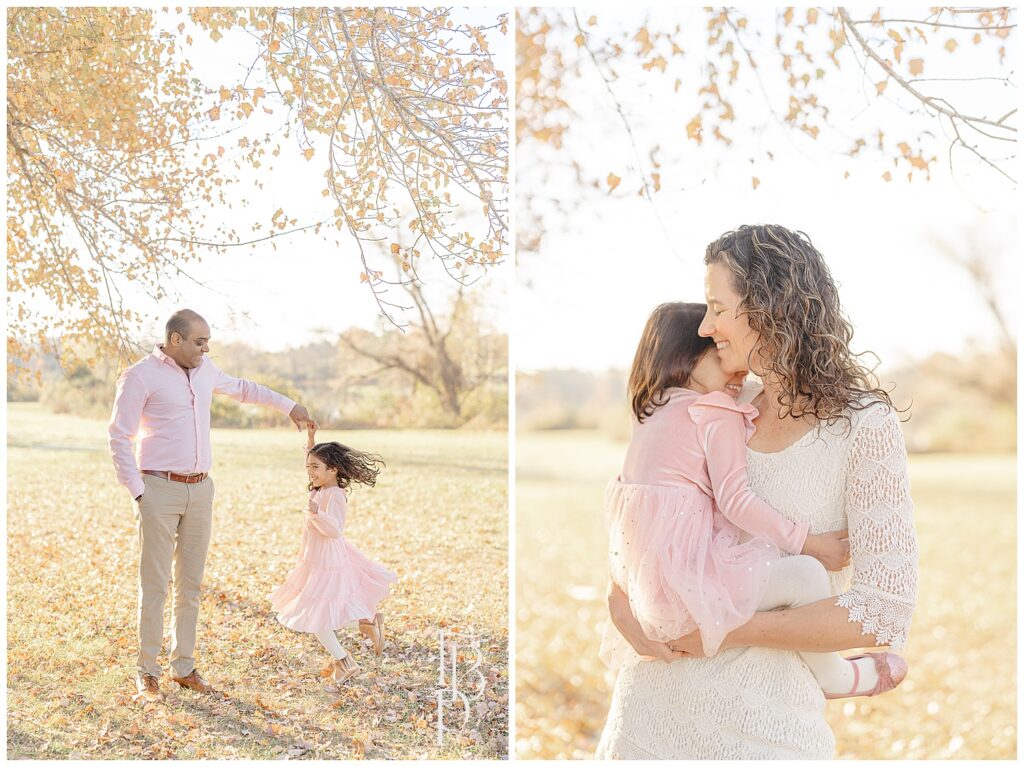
(891, 669)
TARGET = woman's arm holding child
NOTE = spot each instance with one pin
(722, 432)
(627, 625)
(878, 607)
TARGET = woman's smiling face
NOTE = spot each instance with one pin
(726, 324)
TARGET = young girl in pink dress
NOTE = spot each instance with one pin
(677, 513)
(333, 585)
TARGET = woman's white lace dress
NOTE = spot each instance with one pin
(760, 703)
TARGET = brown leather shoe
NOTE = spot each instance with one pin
(375, 631)
(345, 669)
(194, 682)
(148, 688)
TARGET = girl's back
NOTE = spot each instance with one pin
(665, 449)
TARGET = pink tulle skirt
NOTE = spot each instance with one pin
(332, 593)
(681, 562)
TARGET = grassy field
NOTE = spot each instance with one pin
(438, 517)
(957, 703)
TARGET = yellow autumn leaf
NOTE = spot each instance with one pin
(887, 176)
(643, 36)
(693, 129)
(657, 61)
(755, 182)
(880, 87)
(214, 113)
(951, 45)
(274, 46)
(225, 94)
(916, 66)
(308, 153)
(395, 248)
(613, 181)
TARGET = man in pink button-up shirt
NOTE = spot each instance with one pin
(163, 406)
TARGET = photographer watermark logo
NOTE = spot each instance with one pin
(450, 676)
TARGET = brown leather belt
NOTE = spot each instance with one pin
(189, 479)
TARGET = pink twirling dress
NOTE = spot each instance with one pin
(334, 585)
(676, 517)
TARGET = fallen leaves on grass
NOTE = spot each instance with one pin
(438, 516)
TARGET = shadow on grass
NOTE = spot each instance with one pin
(23, 745)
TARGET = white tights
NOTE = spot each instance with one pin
(330, 642)
(800, 580)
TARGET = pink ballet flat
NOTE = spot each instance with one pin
(891, 669)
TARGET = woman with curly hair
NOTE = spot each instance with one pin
(827, 452)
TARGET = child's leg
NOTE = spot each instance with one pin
(801, 580)
(330, 642)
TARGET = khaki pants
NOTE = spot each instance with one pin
(174, 520)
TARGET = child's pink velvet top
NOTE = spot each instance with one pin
(701, 439)
(676, 517)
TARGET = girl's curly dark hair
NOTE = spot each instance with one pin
(352, 465)
(791, 301)
(668, 351)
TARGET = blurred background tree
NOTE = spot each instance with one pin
(406, 111)
(445, 354)
(100, 111)
(695, 99)
(451, 374)
(753, 69)
(117, 152)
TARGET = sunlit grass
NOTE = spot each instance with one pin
(959, 700)
(438, 517)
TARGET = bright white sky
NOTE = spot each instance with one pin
(284, 297)
(583, 301)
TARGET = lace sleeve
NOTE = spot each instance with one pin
(883, 544)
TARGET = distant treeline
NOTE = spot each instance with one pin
(341, 387)
(956, 404)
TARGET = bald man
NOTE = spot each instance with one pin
(163, 406)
